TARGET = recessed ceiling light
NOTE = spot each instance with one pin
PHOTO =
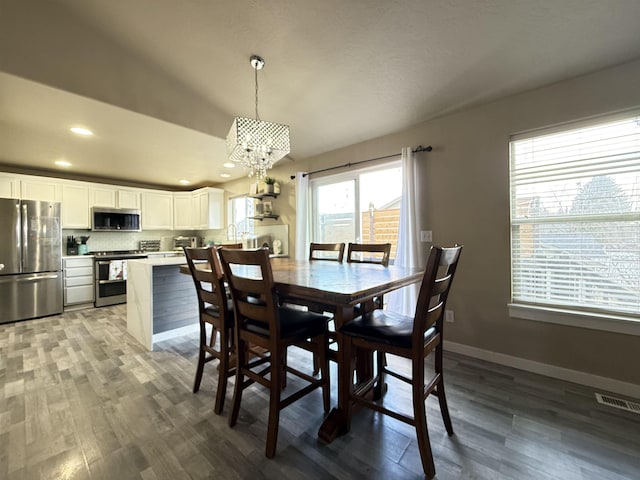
(81, 131)
(62, 163)
(185, 182)
(225, 175)
(229, 165)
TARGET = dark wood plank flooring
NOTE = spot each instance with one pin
(80, 399)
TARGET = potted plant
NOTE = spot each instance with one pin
(270, 184)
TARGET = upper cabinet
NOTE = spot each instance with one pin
(75, 206)
(157, 210)
(9, 186)
(40, 188)
(183, 203)
(209, 208)
(114, 197)
(202, 209)
(128, 198)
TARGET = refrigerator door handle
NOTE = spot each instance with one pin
(24, 243)
(30, 278)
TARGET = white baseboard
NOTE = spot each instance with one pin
(575, 376)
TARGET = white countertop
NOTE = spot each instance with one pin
(159, 261)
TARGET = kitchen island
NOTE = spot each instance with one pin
(161, 301)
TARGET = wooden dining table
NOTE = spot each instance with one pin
(339, 288)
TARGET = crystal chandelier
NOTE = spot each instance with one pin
(255, 144)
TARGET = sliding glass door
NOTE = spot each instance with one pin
(361, 206)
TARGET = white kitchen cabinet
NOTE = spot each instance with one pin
(75, 206)
(103, 196)
(9, 186)
(114, 197)
(157, 210)
(183, 203)
(127, 198)
(40, 188)
(210, 208)
(79, 290)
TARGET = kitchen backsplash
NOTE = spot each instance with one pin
(108, 241)
(101, 241)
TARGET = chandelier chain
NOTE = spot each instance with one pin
(256, 78)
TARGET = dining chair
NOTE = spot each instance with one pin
(369, 253)
(261, 321)
(326, 251)
(216, 319)
(414, 338)
(377, 253)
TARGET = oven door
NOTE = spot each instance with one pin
(111, 282)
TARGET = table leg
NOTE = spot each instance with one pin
(335, 423)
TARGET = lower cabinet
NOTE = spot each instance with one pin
(79, 290)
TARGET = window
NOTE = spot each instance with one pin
(575, 219)
(360, 206)
(241, 209)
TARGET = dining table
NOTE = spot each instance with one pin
(342, 289)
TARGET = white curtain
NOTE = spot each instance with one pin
(302, 215)
(404, 300)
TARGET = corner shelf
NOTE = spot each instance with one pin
(260, 196)
(262, 217)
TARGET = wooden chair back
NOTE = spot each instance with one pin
(209, 283)
(250, 279)
(369, 253)
(231, 245)
(214, 310)
(327, 251)
(434, 290)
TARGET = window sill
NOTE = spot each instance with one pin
(607, 323)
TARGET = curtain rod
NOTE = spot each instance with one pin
(418, 149)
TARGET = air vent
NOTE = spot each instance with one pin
(618, 403)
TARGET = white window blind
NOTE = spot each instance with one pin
(575, 217)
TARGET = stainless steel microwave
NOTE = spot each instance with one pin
(115, 220)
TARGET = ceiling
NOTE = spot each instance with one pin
(159, 81)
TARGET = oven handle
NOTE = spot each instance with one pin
(119, 280)
(103, 262)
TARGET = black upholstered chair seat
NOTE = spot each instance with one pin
(294, 324)
(214, 311)
(385, 327)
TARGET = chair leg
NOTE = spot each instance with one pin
(223, 373)
(323, 360)
(201, 358)
(420, 416)
(241, 361)
(277, 373)
(316, 365)
(442, 398)
(380, 387)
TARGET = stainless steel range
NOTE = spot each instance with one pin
(111, 275)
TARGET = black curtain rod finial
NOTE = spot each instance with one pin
(420, 148)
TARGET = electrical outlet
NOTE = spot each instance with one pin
(448, 316)
(426, 236)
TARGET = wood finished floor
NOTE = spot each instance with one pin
(80, 399)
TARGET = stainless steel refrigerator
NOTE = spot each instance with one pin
(30, 259)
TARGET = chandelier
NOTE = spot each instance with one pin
(256, 144)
